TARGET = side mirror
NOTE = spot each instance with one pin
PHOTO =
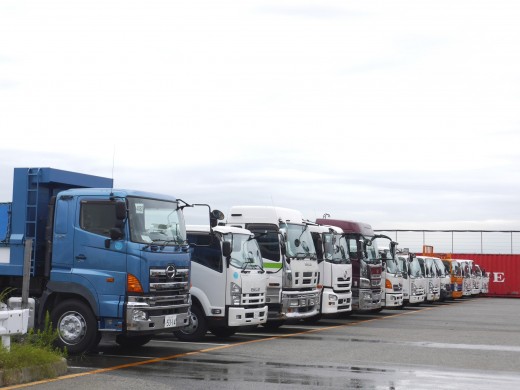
(120, 210)
(116, 233)
(214, 217)
(393, 246)
(226, 249)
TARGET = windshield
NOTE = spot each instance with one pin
(156, 221)
(402, 264)
(441, 267)
(355, 245)
(455, 268)
(392, 266)
(415, 268)
(373, 253)
(245, 251)
(299, 241)
(335, 248)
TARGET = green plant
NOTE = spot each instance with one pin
(4, 294)
(44, 338)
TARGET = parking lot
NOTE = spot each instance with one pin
(470, 343)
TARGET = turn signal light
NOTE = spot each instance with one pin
(133, 284)
(388, 284)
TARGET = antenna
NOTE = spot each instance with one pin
(113, 164)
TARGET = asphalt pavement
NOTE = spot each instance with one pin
(464, 344)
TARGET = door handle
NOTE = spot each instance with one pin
(81, 257)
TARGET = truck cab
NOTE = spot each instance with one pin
(445, 279)
(335, 269)
(456, 280)
(415, 283)
(102, 261)
(228, 282)
(433, 280)
(366, 263)
(485, 281)
(391, 276)
(289, 258)
(477, 280)
(467, 277)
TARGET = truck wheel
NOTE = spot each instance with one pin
(223, 331)
(129, 342)
(76, 325)
(197, 328)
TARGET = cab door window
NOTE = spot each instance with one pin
(98, 217)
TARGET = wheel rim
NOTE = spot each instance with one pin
(192, 326)
(72, 327)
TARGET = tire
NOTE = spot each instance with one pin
(76, 325)
(132, 342)
(223, 332)
(197, 328)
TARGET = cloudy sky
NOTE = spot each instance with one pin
(402, 114)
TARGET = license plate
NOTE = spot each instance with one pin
(170, 321)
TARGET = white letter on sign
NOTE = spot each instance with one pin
(499, 277)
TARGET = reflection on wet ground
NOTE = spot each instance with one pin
(220, 364)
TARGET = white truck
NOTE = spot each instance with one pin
(415, 283)
(467, 284)
(228, 282)
(391, 275)
(477, 280)
(335, 269)
(433, 291)
(289, 258)
(445, 278)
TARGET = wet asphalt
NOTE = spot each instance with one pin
(464, 344)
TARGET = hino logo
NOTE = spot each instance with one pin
(170, 271)
(257, 289)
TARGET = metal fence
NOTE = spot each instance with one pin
(458, 241)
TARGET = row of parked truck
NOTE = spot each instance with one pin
(123, 264)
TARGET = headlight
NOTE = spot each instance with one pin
(414, 288)
(139, 315)
(364, 283)
(235, 288)
(236, 293)
(333, 297)
(431, 286)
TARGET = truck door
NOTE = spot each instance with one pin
(99, 260)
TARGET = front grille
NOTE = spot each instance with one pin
(161, 281)
(253, 300)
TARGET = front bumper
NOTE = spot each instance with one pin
(333, 302)
(393, 299)
(147, 315)
(300, 304)
(367, 300)
(417, 298)
(242, 316)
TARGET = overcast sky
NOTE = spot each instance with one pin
(402, 114)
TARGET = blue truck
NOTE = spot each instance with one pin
(101, 261)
